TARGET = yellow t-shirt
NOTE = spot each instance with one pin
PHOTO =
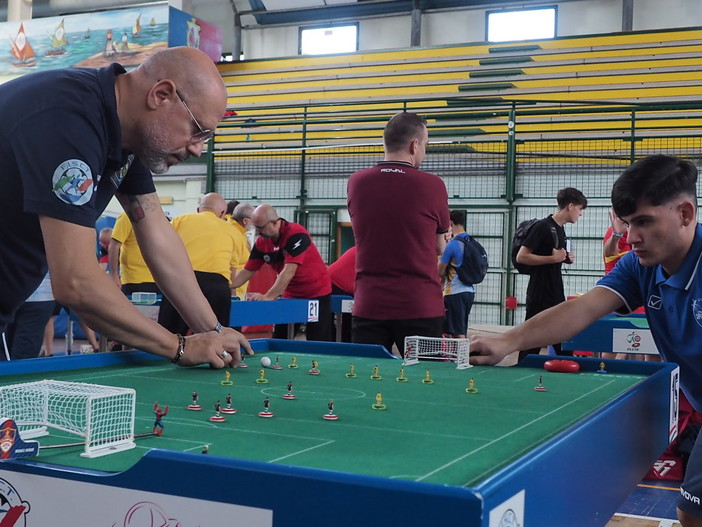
(242, 255)
(211, 242)
(132, 267)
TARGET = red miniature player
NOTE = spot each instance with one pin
(228, 409)
(331, 416)
(194, 405)
(159, 413)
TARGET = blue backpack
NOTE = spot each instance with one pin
(474, 266)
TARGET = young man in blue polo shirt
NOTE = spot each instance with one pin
(656, 198)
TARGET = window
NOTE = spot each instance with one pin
(525, 24)
(332, 39)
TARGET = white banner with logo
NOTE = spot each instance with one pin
(39, 501)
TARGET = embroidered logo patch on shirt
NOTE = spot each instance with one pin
(73, 182)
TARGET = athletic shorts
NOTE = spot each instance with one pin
(691, 488)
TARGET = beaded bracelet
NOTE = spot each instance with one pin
(181, 349)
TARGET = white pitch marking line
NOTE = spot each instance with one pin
(474, 451)
(301, 451)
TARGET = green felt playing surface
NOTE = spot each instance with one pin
(436, 432)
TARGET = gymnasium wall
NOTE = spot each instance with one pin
(509, 125)
(455, 26)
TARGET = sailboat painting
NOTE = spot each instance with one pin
(58, 41)
(22, 50)
(136, 29)
(94, 40)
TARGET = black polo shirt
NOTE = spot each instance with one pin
(60, 156)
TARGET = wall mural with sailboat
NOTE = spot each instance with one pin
(94, 40)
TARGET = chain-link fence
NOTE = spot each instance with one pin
(502, 165)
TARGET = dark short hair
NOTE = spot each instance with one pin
(569, 195)
(401, 129)
(231, 205)
(458, 217)
(654, 179)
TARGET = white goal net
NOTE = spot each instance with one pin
(435, 348)
(103, 415)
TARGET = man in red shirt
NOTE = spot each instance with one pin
(399, 215)
(289, 250)
(343, 278)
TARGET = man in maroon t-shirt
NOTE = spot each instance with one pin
(289, 250)
(399, 215)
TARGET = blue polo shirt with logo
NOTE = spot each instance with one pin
(673, 309)
(60, 156)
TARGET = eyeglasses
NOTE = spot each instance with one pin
(261, 227)
(204, 134)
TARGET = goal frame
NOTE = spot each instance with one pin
(82, 409)
(437, 348)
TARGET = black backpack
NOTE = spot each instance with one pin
(520, 235)
(474, 266)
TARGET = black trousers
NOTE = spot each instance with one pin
(389, 332)
(321, 330)
(216, 290)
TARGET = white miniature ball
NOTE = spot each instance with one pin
(265, 362)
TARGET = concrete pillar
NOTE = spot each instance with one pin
(19, 10)
(628, 15)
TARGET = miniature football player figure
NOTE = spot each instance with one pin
(471, 387)
(293, 363)
(228, 410)
(427, 378)
(194, 405)
(540, 387)
(227, 381)
(262, 377)
(159, 413)
(205, 449)
(375, 375)
(266, 405)
(379, 402)
(331, 407)
(314, 370)
(352, 370)
(289, 395)
(402, 377)
(218, 408)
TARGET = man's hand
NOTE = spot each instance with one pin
(559, 255)
(258, 296)
(219, 350)
(618, 225)
(489, 350)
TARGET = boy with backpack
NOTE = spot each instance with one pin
(544, 250)
(462, 265)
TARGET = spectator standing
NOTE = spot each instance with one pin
(128, 268)
(399, 216)
(288, 248)
(458, 297)
(240, 219)
(343, 278)
(103, 251)
(23, 337)
(213, 247)
(546, 249)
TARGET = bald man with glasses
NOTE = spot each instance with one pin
(73, 139)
